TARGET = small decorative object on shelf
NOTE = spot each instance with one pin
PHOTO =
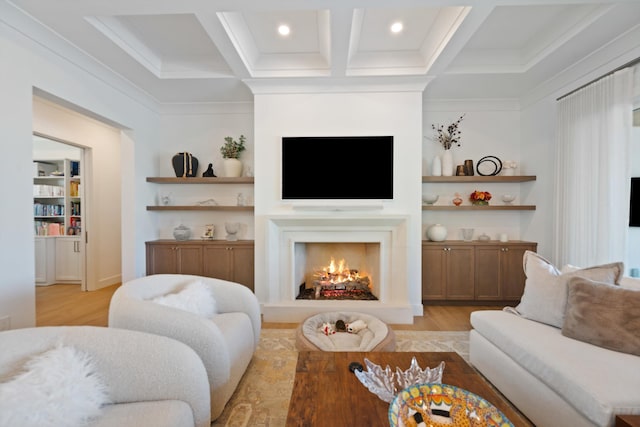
(457, 200)
(231, 153)
(209, 229)
(460, 170)
(508, 198)
(480, 198)
(429, 198)
(509, 167)
(489, 166)
(182, 232)
(209, 172)
(468, 167)
(185, 165)
(436, 166)
(467, 234)
(448, 137)
(241, 200)
(484, 237)
(164, 199)
(437, 233)
(232, 229)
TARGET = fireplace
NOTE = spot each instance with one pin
(337, 271)
(297, 246)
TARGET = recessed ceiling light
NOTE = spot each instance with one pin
(396, 27)
(284, 30)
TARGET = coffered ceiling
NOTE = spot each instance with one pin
(205, 51)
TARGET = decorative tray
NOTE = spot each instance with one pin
(440, 405)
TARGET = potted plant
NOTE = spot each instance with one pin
(230, 153)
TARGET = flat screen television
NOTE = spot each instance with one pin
(634, 203)
(337, 167)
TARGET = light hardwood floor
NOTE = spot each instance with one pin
(58, 305)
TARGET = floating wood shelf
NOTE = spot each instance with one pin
(196, 180)
(479, 178)
(200, 208)
(479, 208)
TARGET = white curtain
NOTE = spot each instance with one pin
(593, 137)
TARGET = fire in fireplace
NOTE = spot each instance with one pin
(337, 281)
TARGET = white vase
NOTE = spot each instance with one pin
(436, 166)
(437, 233)
(232, 168)
(447, 163)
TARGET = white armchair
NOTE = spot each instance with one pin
(225, 343)
(150, 380)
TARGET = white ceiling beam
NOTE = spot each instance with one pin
(341, 27)
(213, 26)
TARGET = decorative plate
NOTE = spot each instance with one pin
(440, 405)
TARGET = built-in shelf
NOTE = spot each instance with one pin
(200, 208)
(195, 180)
(479, 208)
(479, 178)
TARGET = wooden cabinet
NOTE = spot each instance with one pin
(174, 257)
(473, 271)
(233, 261)
(442, 277)
(68, 259)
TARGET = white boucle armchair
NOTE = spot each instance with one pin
(149, 379)
(225, 342)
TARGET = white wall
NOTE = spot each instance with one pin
(101, 216)
(338, 114)
(75, 80)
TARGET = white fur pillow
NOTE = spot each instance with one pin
(58, 388)
(196, 297)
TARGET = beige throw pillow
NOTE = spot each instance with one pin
(604, 315)
(545, 290)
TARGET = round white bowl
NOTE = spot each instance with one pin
(508, 198)
(430, 199)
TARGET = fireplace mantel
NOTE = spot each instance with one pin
(284, 231)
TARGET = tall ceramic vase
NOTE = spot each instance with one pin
(447, 163)
(232, 168)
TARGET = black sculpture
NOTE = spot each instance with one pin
(209, 171)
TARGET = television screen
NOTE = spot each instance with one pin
(349, 167)
(634, 203)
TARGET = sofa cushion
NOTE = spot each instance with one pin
(545, 290)
(596, 381)
(195, 297)
(603, 315)
(57, 387)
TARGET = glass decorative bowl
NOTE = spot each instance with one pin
(430, 199)
(386, 384)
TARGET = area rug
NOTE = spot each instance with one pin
(262, 397)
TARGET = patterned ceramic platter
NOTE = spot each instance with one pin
(440, 405)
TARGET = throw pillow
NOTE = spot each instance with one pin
(545, 290)
(196, 298)
(604, 315)
(57, 388)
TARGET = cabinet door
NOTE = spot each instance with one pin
(460, 277)
(216, 260)
(513, 277)
(433, 272)
(68, 266)
(41, 260)
(488, 272)
(189, 259)
(161, 259)
(243, 265)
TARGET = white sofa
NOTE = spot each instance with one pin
(225, 342)
(554, 380)
(150, 380)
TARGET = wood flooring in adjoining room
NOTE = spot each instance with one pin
(62, 304)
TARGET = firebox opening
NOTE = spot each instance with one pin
(337, 271)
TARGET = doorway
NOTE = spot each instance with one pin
(59, 211)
